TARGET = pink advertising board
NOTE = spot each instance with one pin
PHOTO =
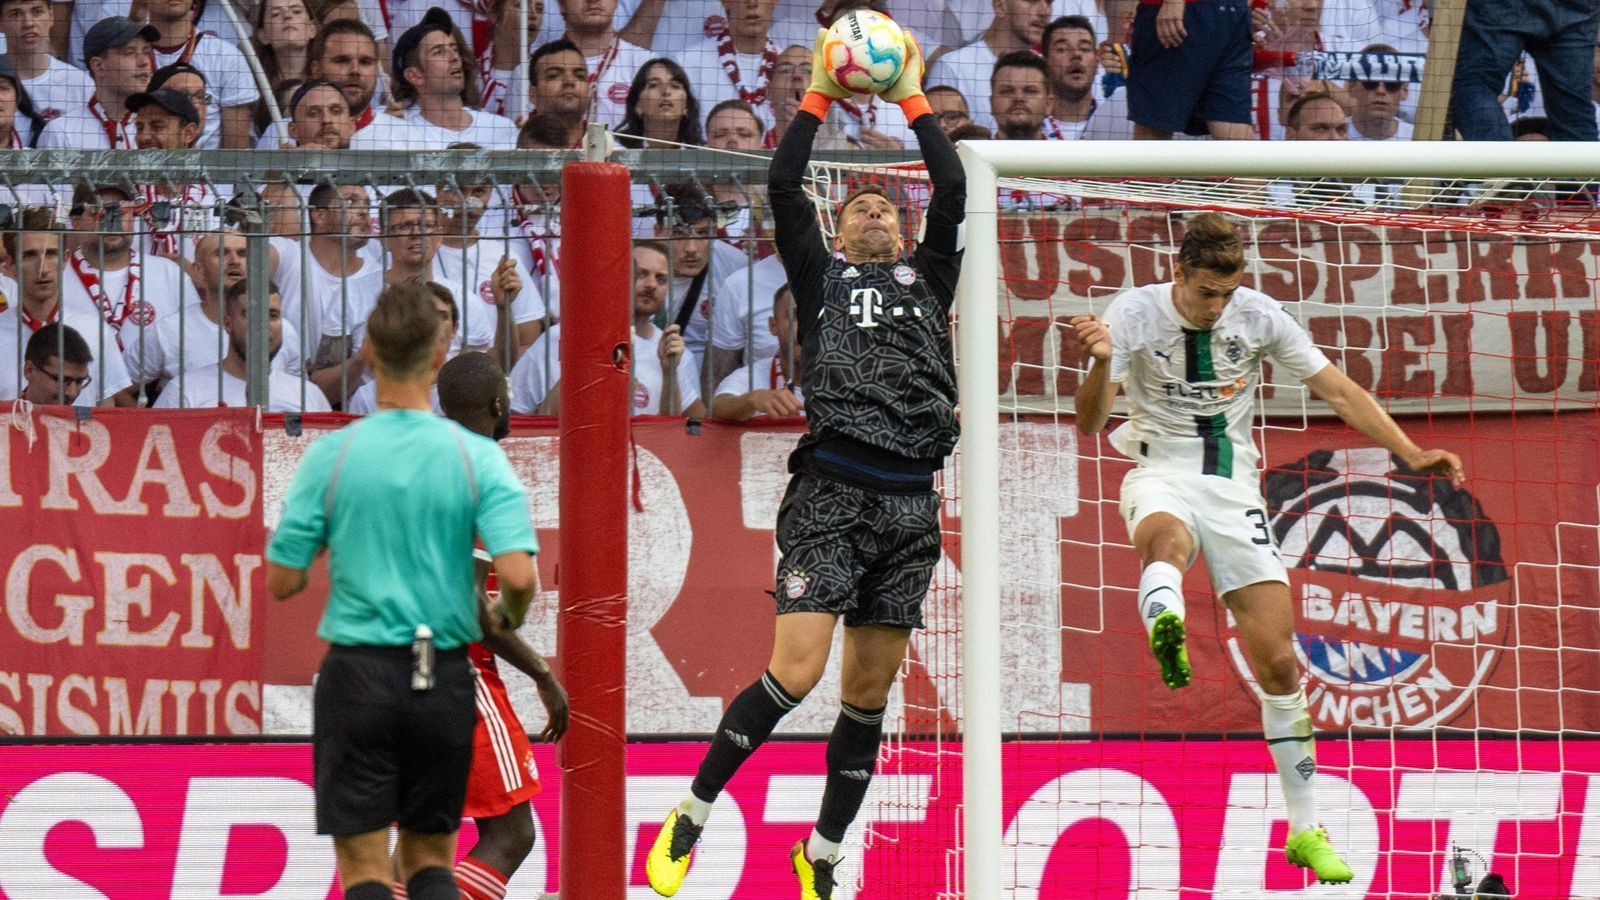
(1120, 819)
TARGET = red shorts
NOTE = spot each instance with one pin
(503, 775)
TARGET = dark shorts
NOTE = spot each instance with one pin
(1204, 79)
(865, 555)
(387, 754)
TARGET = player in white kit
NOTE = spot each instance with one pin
(1188, 355)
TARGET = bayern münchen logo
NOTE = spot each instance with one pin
(1399, 588)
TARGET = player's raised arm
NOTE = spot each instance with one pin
(1095, 395)
(1360, 410)
(948, 206)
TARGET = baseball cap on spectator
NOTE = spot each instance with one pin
(435, 19)
(85, 195)
(170, 99)
(114, 32)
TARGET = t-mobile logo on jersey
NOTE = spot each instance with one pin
(866, 303)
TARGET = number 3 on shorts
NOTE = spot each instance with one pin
(1260, 519)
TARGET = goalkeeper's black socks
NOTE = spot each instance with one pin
(852, 756)
(745, 726)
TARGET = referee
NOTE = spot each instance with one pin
(398, 498)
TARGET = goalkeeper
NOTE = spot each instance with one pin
(859, 525)
(1188, 354)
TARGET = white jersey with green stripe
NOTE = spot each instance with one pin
(1191, 392)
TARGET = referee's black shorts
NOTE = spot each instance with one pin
(385, 753)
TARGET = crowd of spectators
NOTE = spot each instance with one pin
(143, 282)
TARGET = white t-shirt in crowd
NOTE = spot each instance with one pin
(331, 305)
(554, 26)
(212, 18)
(467, 273)
(187, 341)
(713, 83)
(88, 126)
(199, 390)
(133, 300)
(109, 374)
(613, 73)
(59, 90)
(228, 79)
(410, 131)
(744, 304)
(726, 259)
(539, 370)
(541, 256)
(968, 70)
(764, 374)
(1402, 132)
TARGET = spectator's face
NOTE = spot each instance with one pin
(664, 99)
(286, 22)
(56, 382)
(588, 16)
(351, 62)
(123, 70)
(107, 222)
(26, 25)
(750, 18)
(157, 129)
(438, 70)
(38, 273)
(650, 281)
(167, 10)
(192, 86)
(951, 108)
(221, 262)
(237, 324)
(8, 100)
(511, 13)
(691, 246)
(1072, 60)
(733, 129)
(790, 78)
(1321, 120)
(410, 238)
(869, 226)
(1020, 100)
(323, 119)
(561, 84)
(783, 326)
(1305, 14)
(1026, 18)
(446, 309)
(461, 207)
(1377, 100)
(348, 216)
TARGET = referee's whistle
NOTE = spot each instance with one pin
(422, 659)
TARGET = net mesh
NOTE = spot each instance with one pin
(1443, 632)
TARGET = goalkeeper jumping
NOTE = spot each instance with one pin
(859, 525)
(1188, 354)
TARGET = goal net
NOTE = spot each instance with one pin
(1446, 635)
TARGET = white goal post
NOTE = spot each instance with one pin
(1056, 164)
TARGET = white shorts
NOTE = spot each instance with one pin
(1227, 521)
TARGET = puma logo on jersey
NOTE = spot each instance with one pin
(1165, 356)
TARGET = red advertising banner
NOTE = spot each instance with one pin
(1418, 605)
(133, 564)
(1106, 821)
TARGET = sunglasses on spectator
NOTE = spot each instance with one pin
(1392, 87)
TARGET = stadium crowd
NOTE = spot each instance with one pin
(146, 282)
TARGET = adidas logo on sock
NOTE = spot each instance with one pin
(857, 774)
(739, 740)
(1156, 609)
(1306, 767)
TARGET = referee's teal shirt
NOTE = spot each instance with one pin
(397, 499)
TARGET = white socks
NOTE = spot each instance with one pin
(819, 847)
(694, 809)
(1160, 590)
(1286, 721)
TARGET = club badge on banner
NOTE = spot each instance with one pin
(133, 572)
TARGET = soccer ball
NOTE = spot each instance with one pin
(864, 52)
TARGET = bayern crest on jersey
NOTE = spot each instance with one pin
(486, 292)
(1399, 587)
(141, 313)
